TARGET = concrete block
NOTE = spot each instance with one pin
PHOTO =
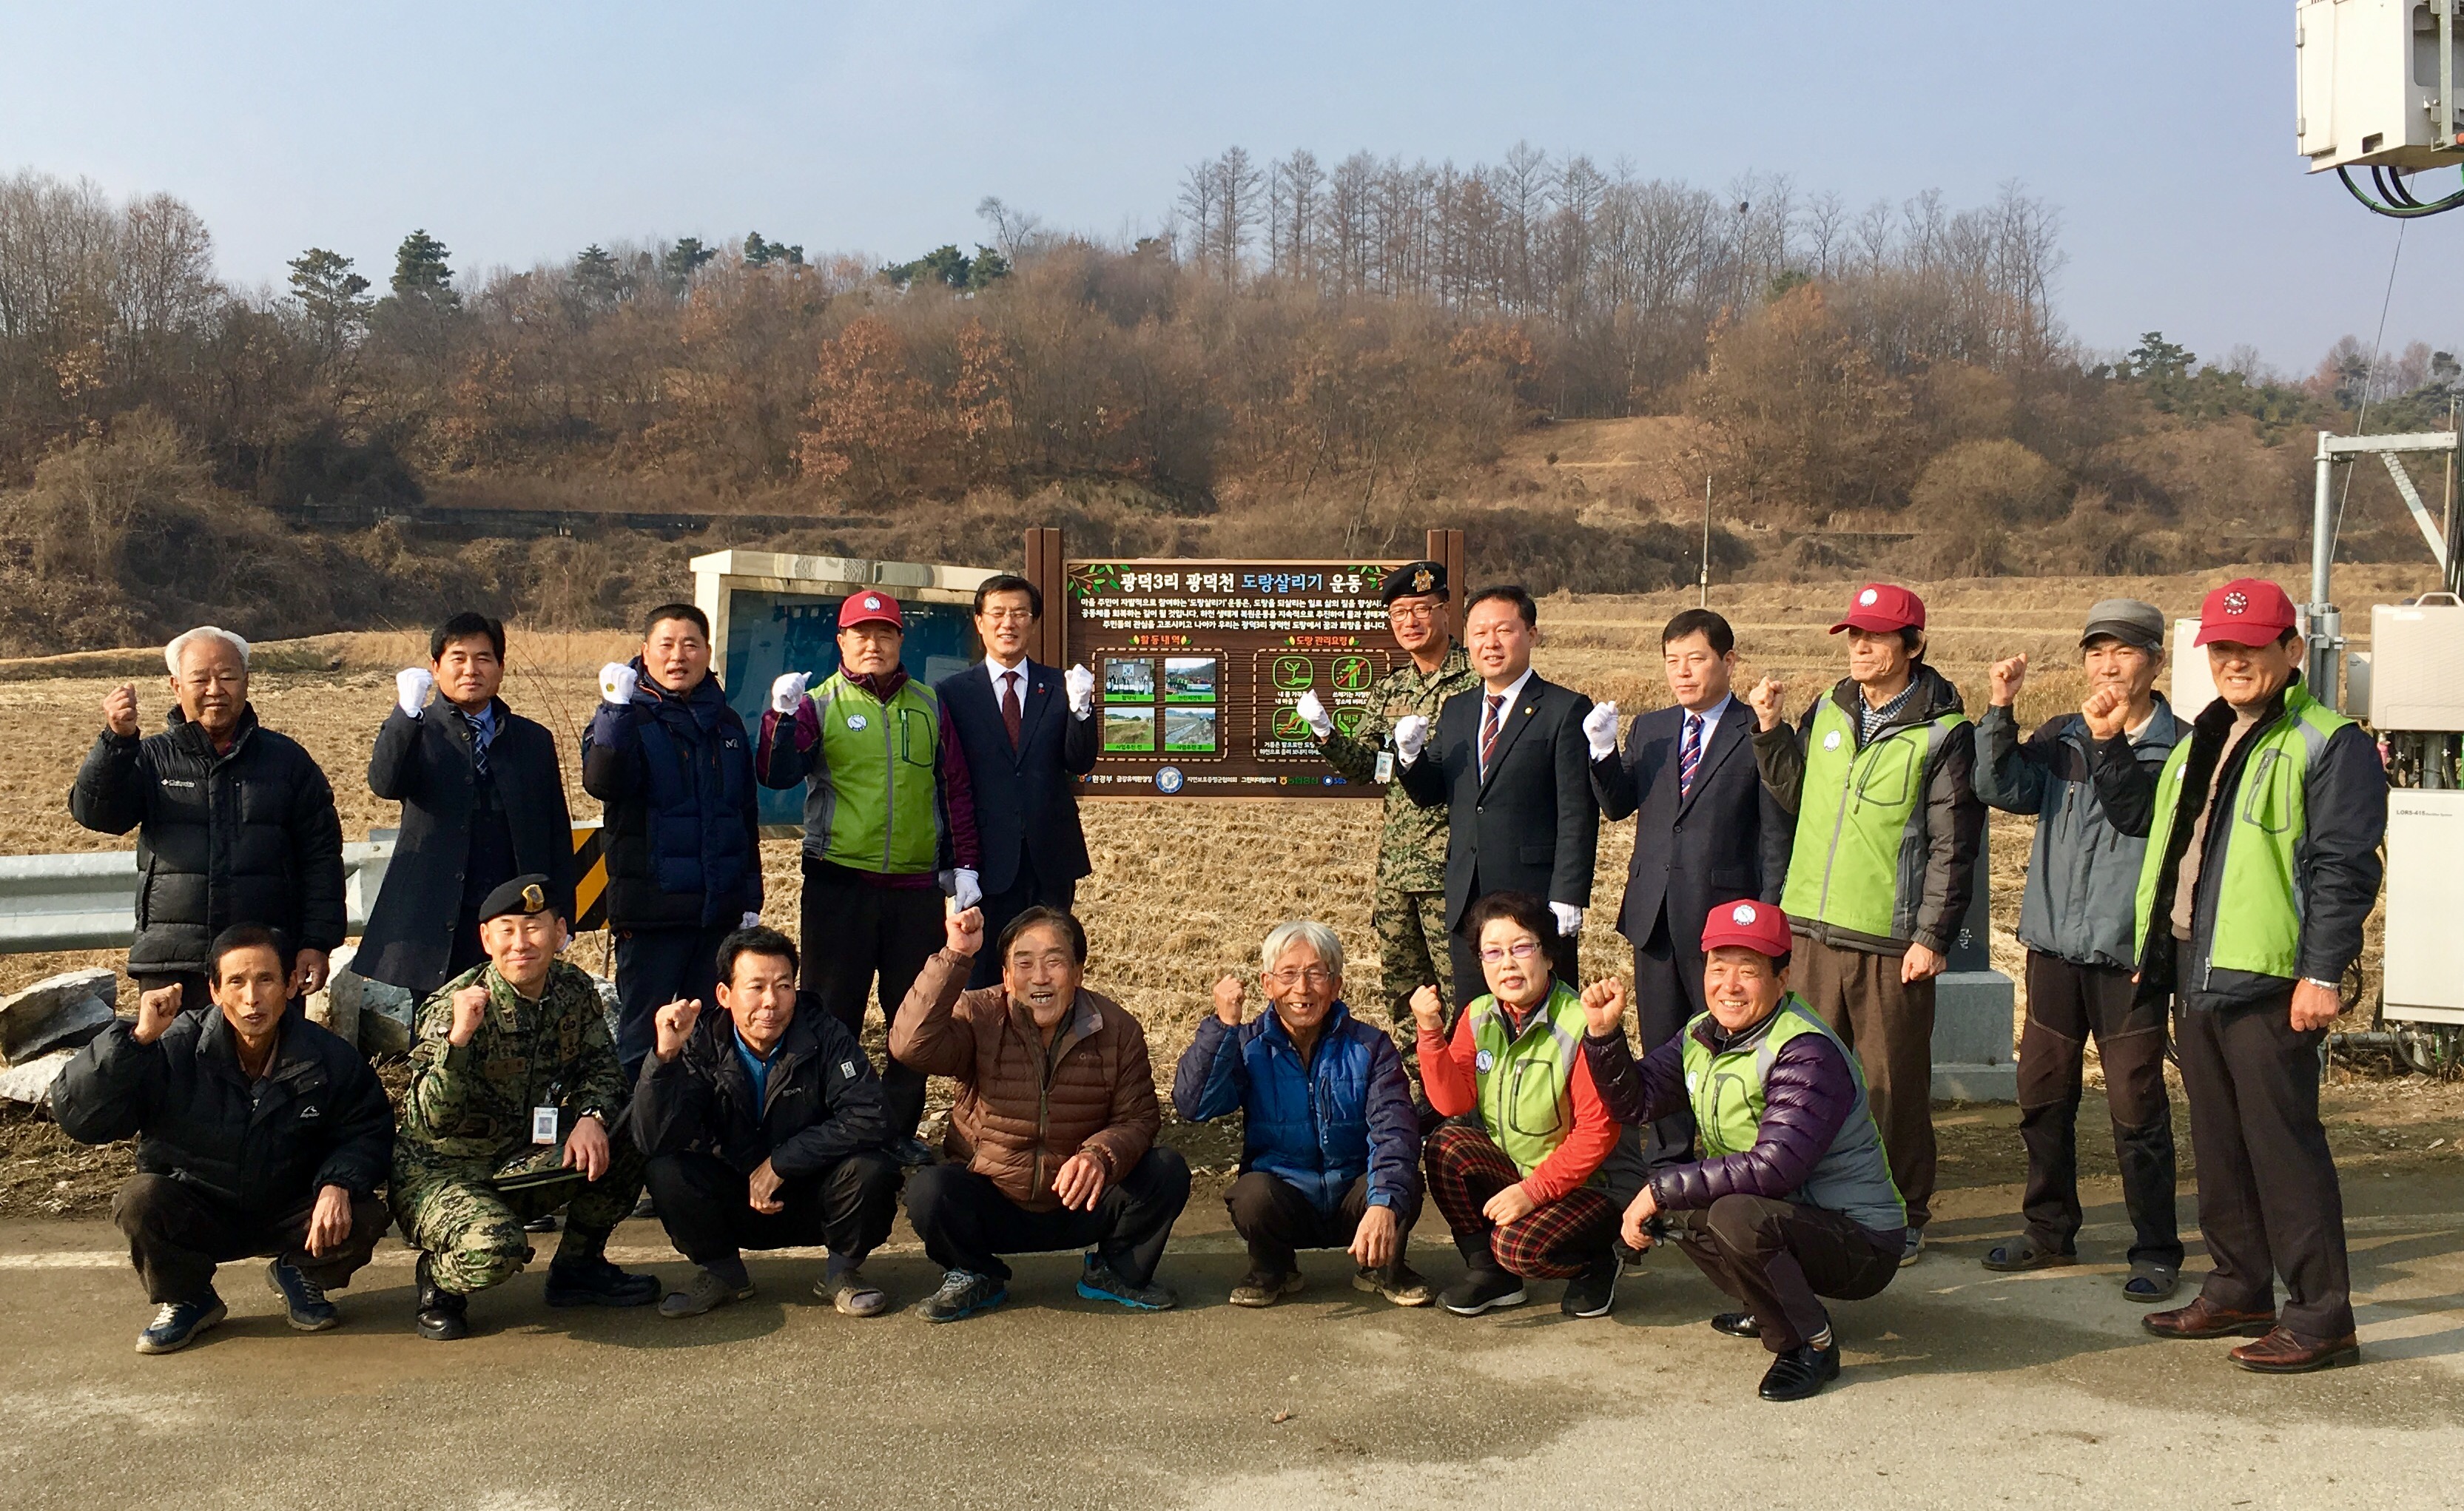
(607, 1002)
(58, 1012)
(372, 1014)
(329, 1008)
(1973, 1058)
(31, 1084)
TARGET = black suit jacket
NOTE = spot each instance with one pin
(1025, 804)
(1531, 826)
(1727, 839)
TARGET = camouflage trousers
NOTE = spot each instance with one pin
(1412, 951)
(473, 1233)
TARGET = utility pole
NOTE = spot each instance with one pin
(1706, 585)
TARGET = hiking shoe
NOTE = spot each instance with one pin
(1099, 1281)
(596, 1282)
(963, 1292)
(851, 1294)
(1265, 1288)
(1736, 1324)
(1482, 1290)
(443, 1315)
(914, 1154)
(1801, 1371)
(2151, 1280)
(1398, 1282)
(303, 1301)
(177, 1324)
(1911, 1250)
(703, 1291)
(1592, 1293)
(2024, 1252)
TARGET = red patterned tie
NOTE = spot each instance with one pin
(1488, 731)
(1013, 716)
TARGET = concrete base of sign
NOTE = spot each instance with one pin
(1972, 1055)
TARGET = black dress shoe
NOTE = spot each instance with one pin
(443, 1315)
(1800, 1373)
(1736, 1324)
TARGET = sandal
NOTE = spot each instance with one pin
(2151, 1281)
(2023, 1254)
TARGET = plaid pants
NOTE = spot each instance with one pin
(1558, 1240)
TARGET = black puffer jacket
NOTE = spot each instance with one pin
(318, 1117)
(821, 1103)
(248, 836)
(683, 813)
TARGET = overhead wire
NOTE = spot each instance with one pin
(2369, 382)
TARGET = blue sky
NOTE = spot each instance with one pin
(2163, 129)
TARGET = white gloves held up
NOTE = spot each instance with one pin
(412, 686)
(966, 889)
(1080, 683)
(1313, 713)
(788, 692)
(1570, 919)
(748, 921)
(618, 683)
(1411, 736)
(1600, 729)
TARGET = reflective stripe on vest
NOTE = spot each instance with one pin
(2257, 923)
(1858, 860)
(1727, 1090)
(1525, 1103)
(873, 799)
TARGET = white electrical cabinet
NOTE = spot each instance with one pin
(2425, 897)
(2368, 86)
(2417, 667)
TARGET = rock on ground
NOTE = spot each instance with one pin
(58, 1012)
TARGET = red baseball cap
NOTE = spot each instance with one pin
(1878, 608)
(869, 607)
(1749, 925)
(2247, 611)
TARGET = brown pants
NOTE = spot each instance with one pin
(1890, 1027)
(1779, 1257)
(178, 1234)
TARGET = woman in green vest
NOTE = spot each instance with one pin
(1521, 1191)
(1792, 1199)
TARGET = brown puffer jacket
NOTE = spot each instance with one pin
(1010, 1124)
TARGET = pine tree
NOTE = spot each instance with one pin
(332, 296)
(420, 272)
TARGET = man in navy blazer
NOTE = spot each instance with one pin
(1707, 831)
(1026, 731)
(1509, 761)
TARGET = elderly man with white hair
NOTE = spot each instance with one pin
(235, 824)
(1331, 1145)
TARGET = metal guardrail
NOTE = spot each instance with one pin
(89, 902)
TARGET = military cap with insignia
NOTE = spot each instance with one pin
(524, 896)
(1416, 580)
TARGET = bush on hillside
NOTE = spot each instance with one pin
(1983, 486)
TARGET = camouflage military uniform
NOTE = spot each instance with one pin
(1410, 910)
(468, 1117)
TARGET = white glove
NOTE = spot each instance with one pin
(1312, 713)
(1600, 726)
(749, 921)
(966, 889)
(788, 692)
(1411, 733)
(618, 683)
(412, 686)
(1570, 919)
(1080, 686)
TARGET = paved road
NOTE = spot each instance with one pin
(1963, 1389)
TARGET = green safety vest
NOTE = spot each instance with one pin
(1727, 1090)
(1526, 1100)
(1858, 862)
(872, 801)
(2257, 922)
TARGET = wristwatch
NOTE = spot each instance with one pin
(2324, 986)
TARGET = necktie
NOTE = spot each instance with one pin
(1488, 731)
(481, 731)
(1013, 716)
(1690, 756)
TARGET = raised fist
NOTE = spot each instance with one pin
(470, 1005)
(1428, 1011)
(1600, 729)
(1604, 1006)
(2006, 677)
(674, 1024)
(1080, 683)
(155, 1011)
(788, 692)
(1228, 993)
(1312, 713)
(618, 683)
(119, 710)
(412, 686)
(964, 930)
(2106, 711)
(1411, 734)
(1765, 699)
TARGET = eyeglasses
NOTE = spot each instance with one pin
(1521, 949)
(1411, 613)
(1008, 616)
(1314, 976)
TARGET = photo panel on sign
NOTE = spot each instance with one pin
(1128, 727)
(1189, 679)
(1189, 729)
(1130, 681)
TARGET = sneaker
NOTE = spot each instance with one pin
(1911, 1250)
(851, 1294)
(1265, 1288)
(443, 1315)
(1592, 1293)
(1482, 1290)
(914, 1154)
(177, 1324)
(1800, 1373)
(596, 1282)
(1398, 1282)
(702, 1293)
(1099, 1281)
(1736, 1324)
(303, 1301)
(963, 1292)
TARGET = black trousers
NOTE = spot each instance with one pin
(2268, 1203)
(855, 931)
(706, 1208)
(1027, 890)
(2067, 1005)
(653, 968)
(967, 1225)
(1780, 1257)
(177, 1233)
(1667, 994)
(1275, 1217)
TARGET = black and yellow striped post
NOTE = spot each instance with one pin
(590, 877)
